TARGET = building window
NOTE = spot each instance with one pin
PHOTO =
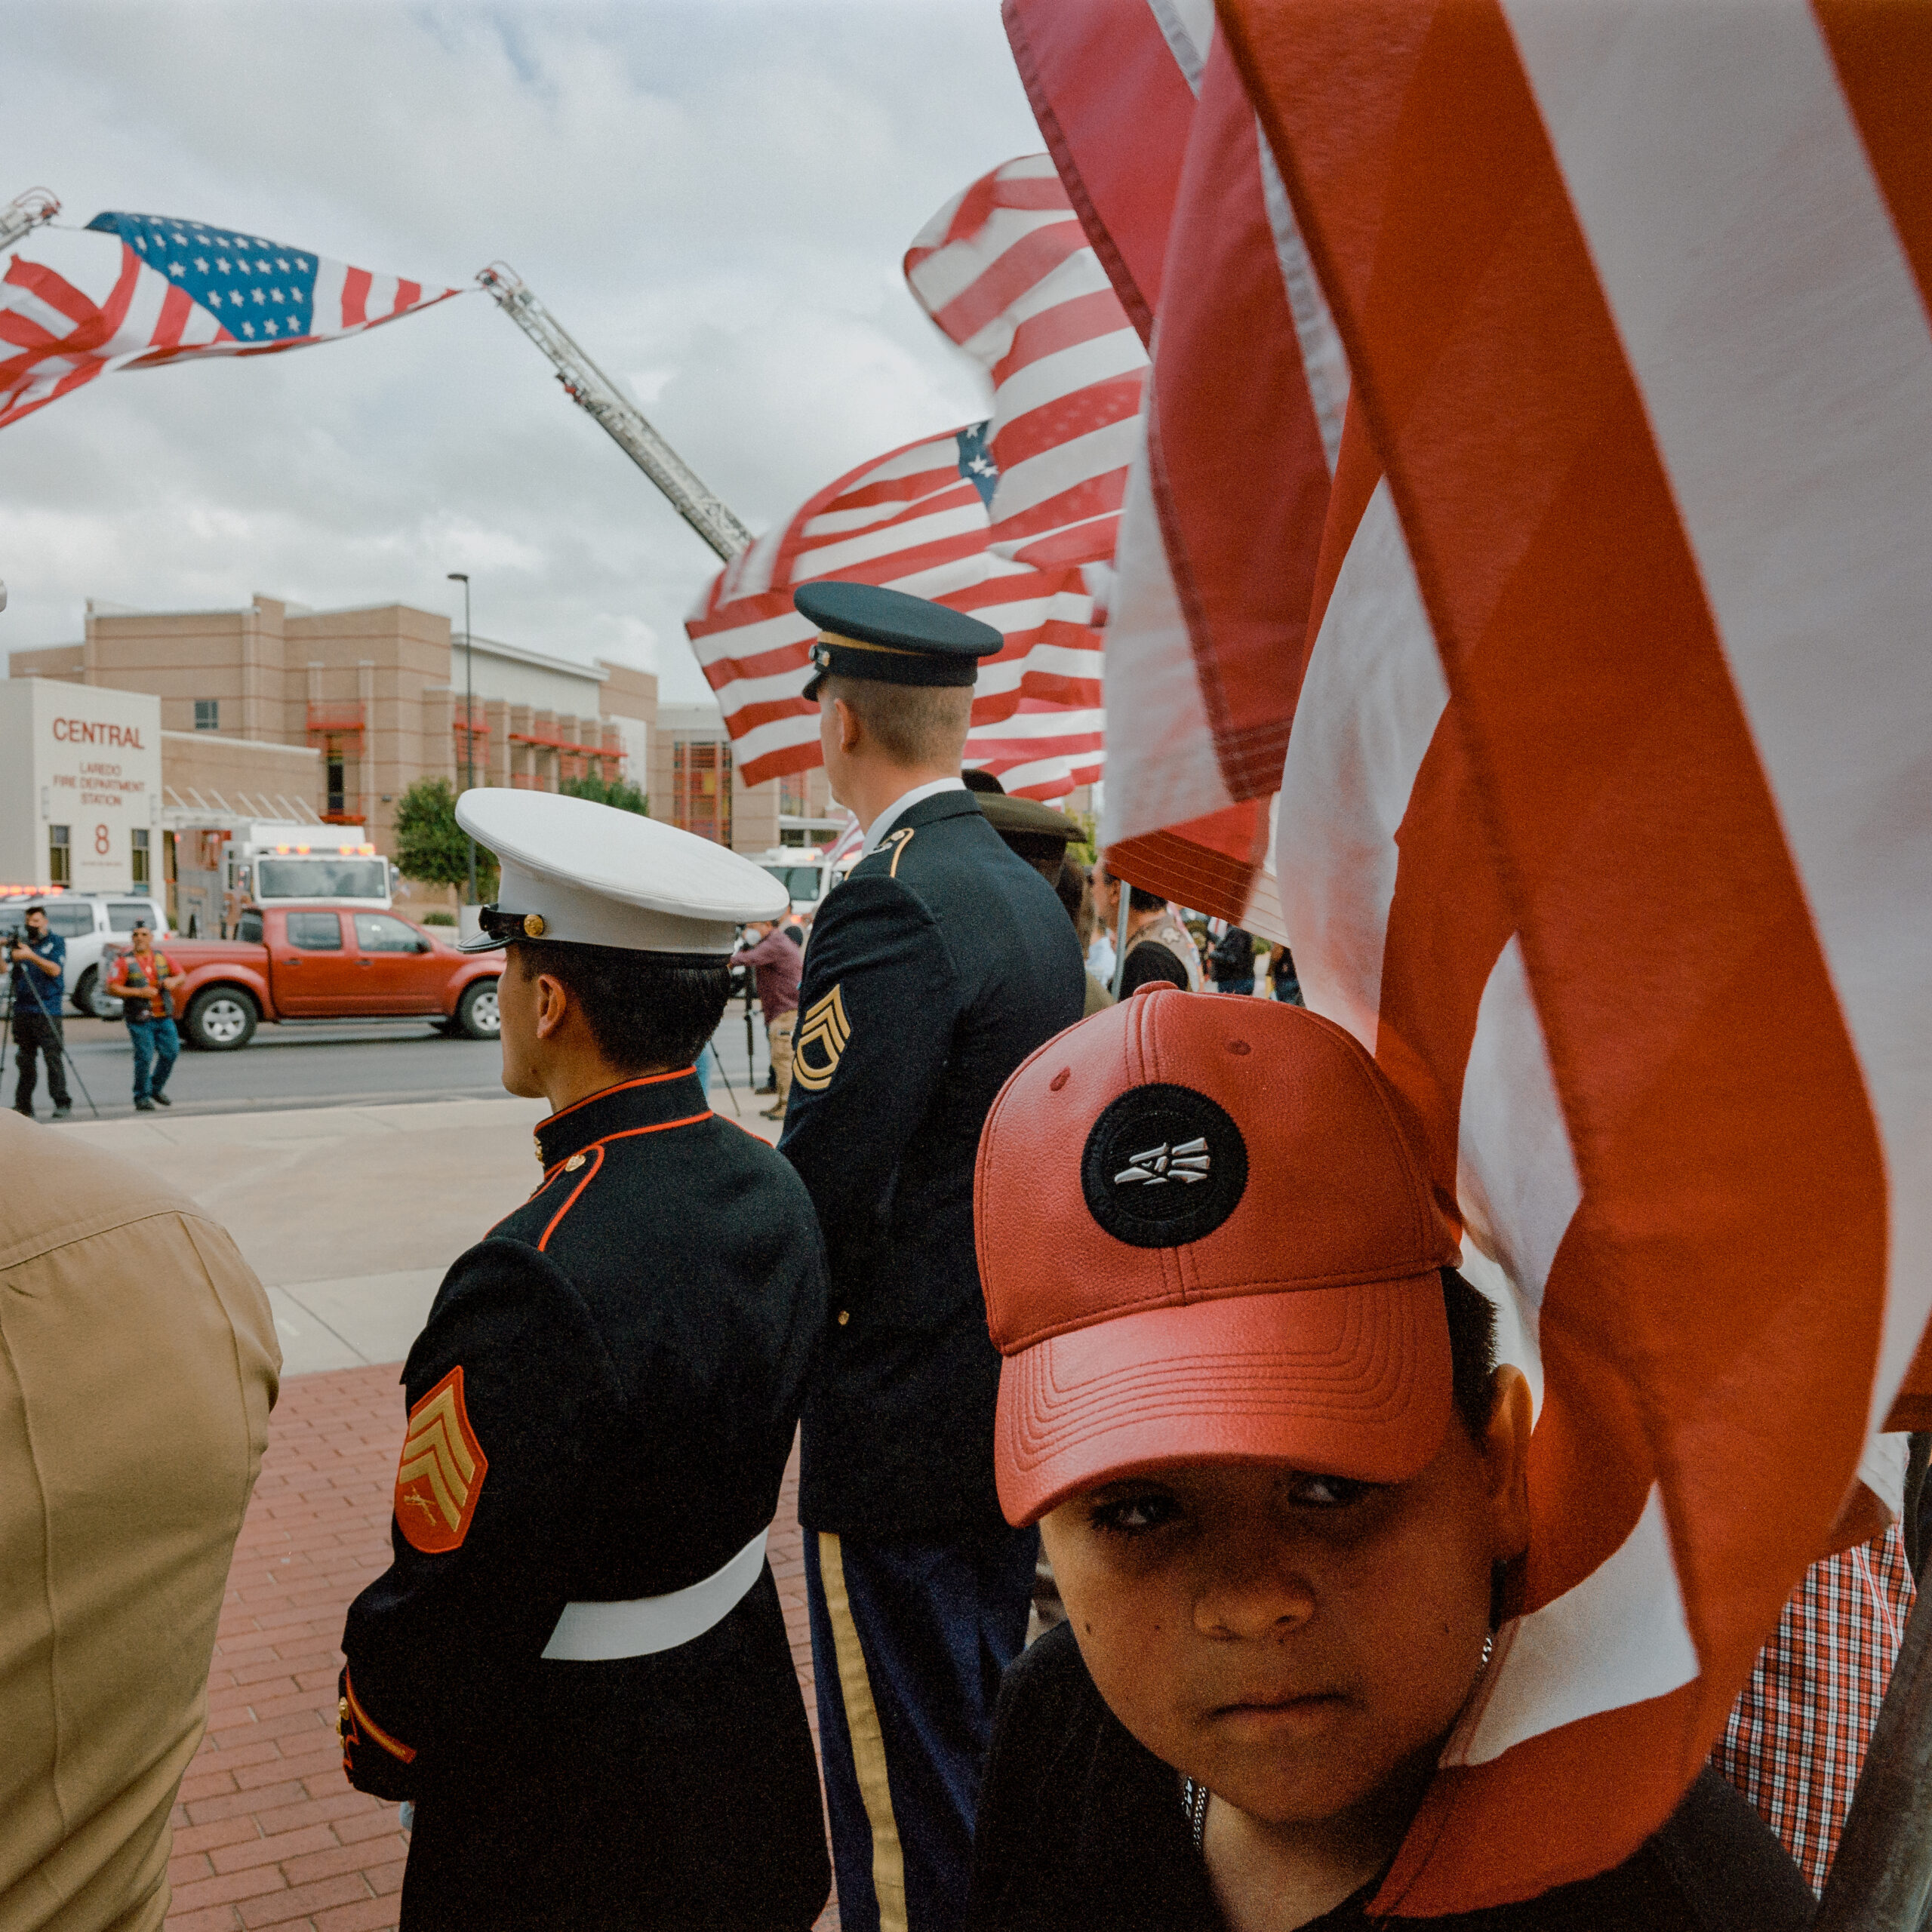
(337, 790)
(701, 788)
(60, 868)
(208, 714)
(137, 860)
(794, 795)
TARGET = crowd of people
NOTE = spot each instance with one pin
(1062, 1266)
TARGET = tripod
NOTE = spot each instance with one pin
(54, 1019)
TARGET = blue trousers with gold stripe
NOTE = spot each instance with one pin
(908, 1640)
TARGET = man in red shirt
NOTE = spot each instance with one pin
(778, 963)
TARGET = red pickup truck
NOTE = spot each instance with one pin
(326, 962)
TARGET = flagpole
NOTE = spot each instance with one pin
(1120, 931)
(1881, 1878)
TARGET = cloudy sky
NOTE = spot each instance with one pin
(713, 199)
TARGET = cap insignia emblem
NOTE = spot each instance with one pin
(440, 1475)
(1187, 1163)
(1164, 1165)
(820, 1043)
(532, 925)
(822, 656)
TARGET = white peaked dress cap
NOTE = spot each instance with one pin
(598, 876)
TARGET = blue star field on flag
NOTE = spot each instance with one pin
(259, 290)
(976, 459)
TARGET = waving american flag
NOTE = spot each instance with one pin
(1013, 520)
(916, 520)
(135, 290)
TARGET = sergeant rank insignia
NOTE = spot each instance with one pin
(821, 1040)
(441, 1472)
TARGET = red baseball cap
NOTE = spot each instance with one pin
(1204, 1234)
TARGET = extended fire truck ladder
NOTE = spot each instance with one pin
(25, 213)
(592, 390)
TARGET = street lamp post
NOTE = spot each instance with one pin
(469, 718)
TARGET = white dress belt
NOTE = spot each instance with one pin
(594, 1633)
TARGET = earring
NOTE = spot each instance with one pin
(1488, 1651)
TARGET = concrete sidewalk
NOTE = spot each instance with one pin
(350, 1215)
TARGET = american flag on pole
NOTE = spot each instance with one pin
(137, 291)
(1013, 520)
(1244, 406)
(916, 520)
(1603, 817)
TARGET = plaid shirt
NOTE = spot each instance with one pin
(1797, 1736)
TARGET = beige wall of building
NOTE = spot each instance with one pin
(208, 772)
(343, 710)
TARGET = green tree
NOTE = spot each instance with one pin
(431, 846)
(601, 791)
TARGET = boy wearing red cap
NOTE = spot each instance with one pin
(1254, 1412)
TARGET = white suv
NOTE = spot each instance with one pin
(90, 922)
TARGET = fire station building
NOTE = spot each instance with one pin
(275, 711)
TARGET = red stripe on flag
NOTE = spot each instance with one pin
(1080, 318)
(1114, 109)
(408, 294)
(177, 306)
(1229, 380)
(355, 297)
(1008, 277)
(1883, 55)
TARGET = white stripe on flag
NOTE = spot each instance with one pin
(1776, 334)
(1163, 770)
(1372, 702)
(1097, 360)
(1516, 1177)
(933, 527)
(1618, 1638)
(949, 271)
(330, 276)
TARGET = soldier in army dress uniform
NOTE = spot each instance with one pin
(941, 963)
(576, 1665)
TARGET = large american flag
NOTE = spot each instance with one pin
(1013, 520)
(916, 520)
(1602, 817)
(136, 291)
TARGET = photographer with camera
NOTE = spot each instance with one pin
(38, 981)
(142, 980)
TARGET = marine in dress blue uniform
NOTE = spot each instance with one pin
(940, 964)
(577, 1666)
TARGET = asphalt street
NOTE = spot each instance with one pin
(328, 1062)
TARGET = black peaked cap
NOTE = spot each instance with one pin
(869, 632)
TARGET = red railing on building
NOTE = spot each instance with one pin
(333, 720)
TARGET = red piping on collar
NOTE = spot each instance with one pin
(642, 1080)
(596, 1162)
(596, 1150)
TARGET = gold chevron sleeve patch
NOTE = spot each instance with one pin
(440, 1473)
(818, 1042)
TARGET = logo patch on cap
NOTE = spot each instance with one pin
(1163, 1166)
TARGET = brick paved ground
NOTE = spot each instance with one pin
(266, 1832)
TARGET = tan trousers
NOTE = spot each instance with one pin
(778, 1032)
